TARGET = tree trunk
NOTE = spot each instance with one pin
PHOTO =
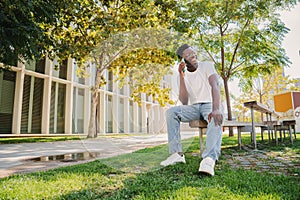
(92, 124)
(92, 132)
(228, 104)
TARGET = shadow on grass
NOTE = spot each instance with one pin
(138, 176)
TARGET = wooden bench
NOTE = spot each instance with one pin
(270, 126)
(285, 125)
(241, 127)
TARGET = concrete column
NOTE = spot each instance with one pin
(30, 109)
(69, 98)
(135, 117)
(156, 127)
(150, 118)
(126, 114)
(115, 114)
(87, 104)
(47, 97)
(163, 123)
(101, 113)
(19, 88)
(144, 117)
(55, 107)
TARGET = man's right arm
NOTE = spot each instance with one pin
(183, 94)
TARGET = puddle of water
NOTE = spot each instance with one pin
(69, 157)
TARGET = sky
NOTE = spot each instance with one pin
(291, 43)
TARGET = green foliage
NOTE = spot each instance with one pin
(87, 24)
(21, 34)
(144, 69)
(242, 37)
(103, 31)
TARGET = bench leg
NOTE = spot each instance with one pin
(254, 140)
(276, 138)
(272, 135)
(201, 141)
(280, 135)
(239, 138)
(291, 134)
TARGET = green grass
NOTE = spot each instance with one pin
(13, 140)
(16, 140)
(138, 176)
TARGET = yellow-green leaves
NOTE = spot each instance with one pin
(143, 70)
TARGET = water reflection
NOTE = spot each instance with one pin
(69, 157)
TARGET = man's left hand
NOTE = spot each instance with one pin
(218, 117)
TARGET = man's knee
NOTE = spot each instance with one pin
(169, 112)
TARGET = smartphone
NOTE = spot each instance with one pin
(183, 69)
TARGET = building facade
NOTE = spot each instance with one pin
(46, 97)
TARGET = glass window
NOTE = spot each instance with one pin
(76, 78)
(140, 119)
(99, 110)
(63, 70)
(109, 114)
(7, 94)
(60, 70)
(93, 74)
(122, 90)
(131, 117)
(36, 66)
(121, 115)
(110, 81)
(78, 111)
(57, 108)
(31, 119)
(40, 66)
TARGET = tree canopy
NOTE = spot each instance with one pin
(242, 38)
(103, 31)
(21, 34)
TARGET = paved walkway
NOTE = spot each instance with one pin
(264, 161)
(13, 156)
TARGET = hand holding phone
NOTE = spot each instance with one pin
(184, 68)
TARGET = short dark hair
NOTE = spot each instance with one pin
(180, 50)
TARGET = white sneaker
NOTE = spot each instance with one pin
(173, 159)
(207, 166)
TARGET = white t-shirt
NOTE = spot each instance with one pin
(197, 83)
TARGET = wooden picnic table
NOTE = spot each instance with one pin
(285, 125)
(254, 105)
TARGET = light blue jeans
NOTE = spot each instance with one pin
(186, 113)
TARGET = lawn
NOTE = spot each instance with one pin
(16, 140)
(139, 176)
